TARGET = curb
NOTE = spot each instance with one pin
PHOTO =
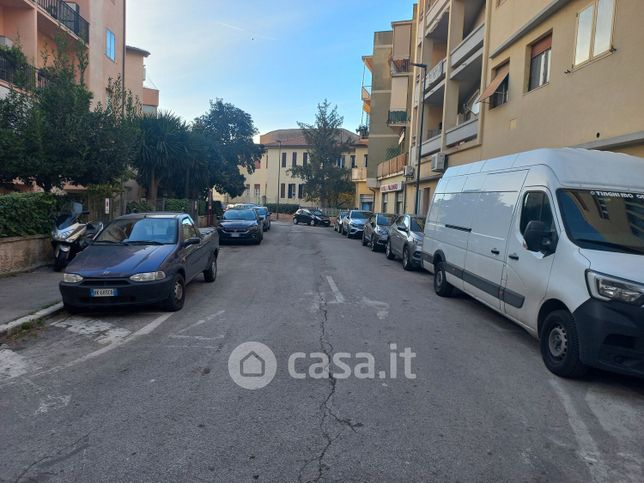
(47, 312)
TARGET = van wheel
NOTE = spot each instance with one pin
(559, 345)
(388, 253)
(441, 286)
(406, 261)
(177, 296)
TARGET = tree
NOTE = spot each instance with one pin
(325, 181)
(227, 133)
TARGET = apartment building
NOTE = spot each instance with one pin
(286, 148)
(34, 25)
(504, 76)
(136, 77)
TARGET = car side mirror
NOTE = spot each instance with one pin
(192, 241)
(534, 236)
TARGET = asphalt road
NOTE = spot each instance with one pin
(147, 396)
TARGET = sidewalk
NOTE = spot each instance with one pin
(26, 293)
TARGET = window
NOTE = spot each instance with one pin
(257, 190)
(366, 160)
(247, 190)
(282, 190)
(594, 30)
(536, 207)
(283, 160)
(384, 202)
(294, 159)
(540, 63)
(353, 160)
(341, 161)
(497, 91)
(300, 191)
(258, 164)
(292, 190)
(399, 202)
(305, 159)
(110, 45)
(188, 229)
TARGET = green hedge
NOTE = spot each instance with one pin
(288, 209)
(24, 214)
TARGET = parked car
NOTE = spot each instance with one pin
(554, 240)
(240, 225)
(141, 259)
(353, 223)
(242, 206)
(406, 241)
(337, 224)
(265, 216)
(376, 231)
(311, 217)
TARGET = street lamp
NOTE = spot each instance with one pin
(421, 105)
(279, 171)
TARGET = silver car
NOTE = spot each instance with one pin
(376, 231)
(406, 240)
(337, 224)
(353, 223)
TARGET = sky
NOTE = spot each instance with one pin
(275, 59)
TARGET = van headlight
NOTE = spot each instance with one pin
(72, 278)
(147, 276)
(605, 287)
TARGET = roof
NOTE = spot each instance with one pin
(156, 214)
(574, 167)
(136, 50)
(295, 137)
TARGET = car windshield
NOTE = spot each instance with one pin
(153, 231)
(360, 215)
(262, 211)
(417, 224)
(317, 212)
(240, 215)
(384, 220)
(604, 220)
(342, 213)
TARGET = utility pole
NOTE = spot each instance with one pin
(421, 105)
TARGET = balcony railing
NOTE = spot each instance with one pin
(366, 93)
(462, 133)
(392, 166)
(67, 16)
(469, 45)
(433, 143)
(400, 66)
(435, 75)
(20, 75)
(358, 174)
(396, 118)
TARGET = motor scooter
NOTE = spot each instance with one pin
(70, 236)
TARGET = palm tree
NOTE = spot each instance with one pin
(164, 148)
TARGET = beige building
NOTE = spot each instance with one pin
(506, 76)
(135, 79)
(286, 148)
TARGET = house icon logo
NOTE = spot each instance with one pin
(252, 365)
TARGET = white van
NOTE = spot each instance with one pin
(554, 240)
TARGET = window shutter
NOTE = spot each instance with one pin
(541, 46)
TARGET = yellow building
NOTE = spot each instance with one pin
(505, 76)
(135, 78)
(286, 148)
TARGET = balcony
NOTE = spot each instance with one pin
(358, 174)
(469, 46)
(22, 76)
(462, 133)
(433, 144)
(67, 16)
(400, 66)
(366, 94)
(392, 166)
(435, 75)
(397, 118)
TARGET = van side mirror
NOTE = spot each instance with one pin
(534, 234)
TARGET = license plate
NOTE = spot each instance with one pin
(234, 235)
(103, 292)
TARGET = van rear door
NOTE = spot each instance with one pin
(486, 251)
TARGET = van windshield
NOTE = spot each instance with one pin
(604, 220)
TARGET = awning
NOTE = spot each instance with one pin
(501, 74)
(541, 46)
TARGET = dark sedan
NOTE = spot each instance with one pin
(141, 259)
(241, 225)
(311, 217)
(376, 231)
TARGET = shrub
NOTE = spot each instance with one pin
(288, 209)
(139, 207)
(24, 214)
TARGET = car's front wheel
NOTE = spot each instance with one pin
(210, 274)
(407, 262)
(295, 221)
(177, 296)
(559, 345)
(312, 222)
(364, 239)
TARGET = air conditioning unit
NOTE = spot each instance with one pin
(6, 42)
(439, 162)
(409, 171)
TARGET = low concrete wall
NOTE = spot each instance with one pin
(18, 254)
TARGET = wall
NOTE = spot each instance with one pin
(18, 254)
(135, 73)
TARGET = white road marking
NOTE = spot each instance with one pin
(382, 308)
(196, 337)
(89, 327)
(588, 449)
(12, 364)
(52, 402)
(339, 298)
(202, 321)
